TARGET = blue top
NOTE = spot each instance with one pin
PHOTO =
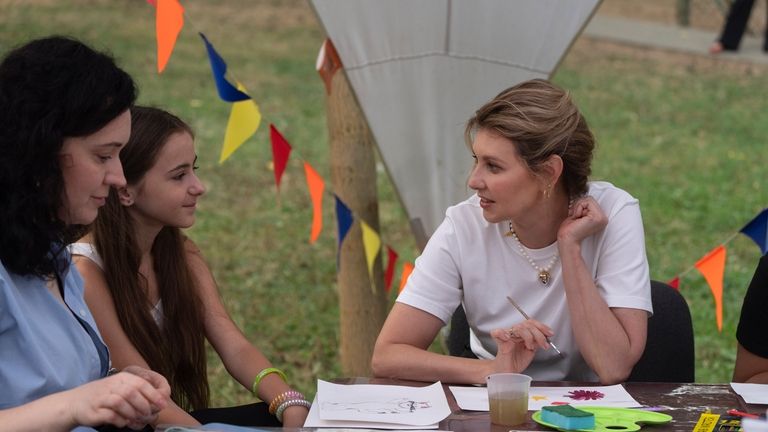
(44, 349)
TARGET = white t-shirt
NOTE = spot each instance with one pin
(470, 261)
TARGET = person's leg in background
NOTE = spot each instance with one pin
(765, 36)
(735, 25)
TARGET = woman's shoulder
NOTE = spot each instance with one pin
(610, 197)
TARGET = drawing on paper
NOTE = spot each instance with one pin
(394, 406)
(584, 395)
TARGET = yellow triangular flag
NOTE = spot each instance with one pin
(372, 246)
(244, 120)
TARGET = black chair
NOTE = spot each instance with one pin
(669, 350)
(458, 335)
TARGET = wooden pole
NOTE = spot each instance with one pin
(362, 301)
(683, 13)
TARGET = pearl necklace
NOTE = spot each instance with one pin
(544, 275)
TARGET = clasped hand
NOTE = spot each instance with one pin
(585, 217)
(517, 345)
(130, 398)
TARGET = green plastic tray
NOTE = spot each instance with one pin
(609, 419)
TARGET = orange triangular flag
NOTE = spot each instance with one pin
(169, 20)
(328, 63)
(316, 185)
(712, 266)
(407, 269)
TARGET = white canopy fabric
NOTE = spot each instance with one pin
(420, 68)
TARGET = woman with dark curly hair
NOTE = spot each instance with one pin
(64, 117)
(567, 251)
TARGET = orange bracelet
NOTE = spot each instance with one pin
(282, 397)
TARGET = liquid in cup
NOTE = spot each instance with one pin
(508, 398)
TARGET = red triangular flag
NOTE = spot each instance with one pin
(390, 272)
(280, 152)
(675, 283)
(712, 266)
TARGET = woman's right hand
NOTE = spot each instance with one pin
(130, 399)
(517, 345)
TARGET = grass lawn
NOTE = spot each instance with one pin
(685, 137)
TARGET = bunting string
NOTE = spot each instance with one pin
(712, 264)
(245, 118)
(693, 266)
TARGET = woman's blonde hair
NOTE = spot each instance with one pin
(541, 120)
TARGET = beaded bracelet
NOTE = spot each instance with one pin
(260, 376)
(282, 397)
(289, 403)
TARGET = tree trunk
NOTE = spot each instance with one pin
(362, 302)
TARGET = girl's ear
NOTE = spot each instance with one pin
(126, 198)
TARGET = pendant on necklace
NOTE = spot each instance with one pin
(544, 277)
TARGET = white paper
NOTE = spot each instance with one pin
(210, 427)
(378, 406)
(476, 398)
(752, 393)
(314, 420)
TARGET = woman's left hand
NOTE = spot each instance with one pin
(585, 217)
(515, 347)
(294, 416)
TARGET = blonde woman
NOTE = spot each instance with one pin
(569, 252)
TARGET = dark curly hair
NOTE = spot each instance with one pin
(50, 89)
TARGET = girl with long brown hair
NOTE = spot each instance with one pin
(155, 299)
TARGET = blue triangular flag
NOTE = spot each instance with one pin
(227, 91)
(757, 230)
(343, 221)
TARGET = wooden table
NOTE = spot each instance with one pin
(683, 401)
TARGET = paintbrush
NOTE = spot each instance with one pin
(525, 315)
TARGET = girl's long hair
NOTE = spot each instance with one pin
(176, 349)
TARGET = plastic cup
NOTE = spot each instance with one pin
(508, 398)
